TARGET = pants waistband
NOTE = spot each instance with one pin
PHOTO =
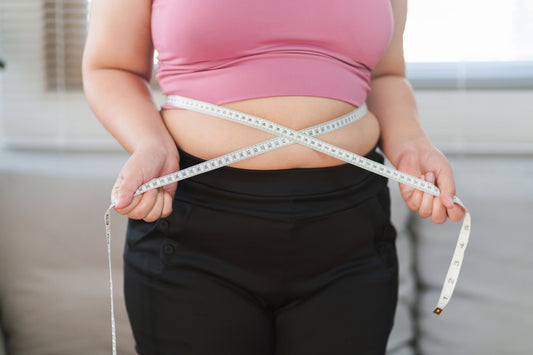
(283, 182)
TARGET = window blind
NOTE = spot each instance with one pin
(41, 99)
(45, 38)
(65, 29)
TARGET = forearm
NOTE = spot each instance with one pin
(122, 102)
(392, 100)
(403, 139)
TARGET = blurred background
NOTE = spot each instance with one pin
(471, 65)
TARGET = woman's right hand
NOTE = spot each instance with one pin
(147, 162)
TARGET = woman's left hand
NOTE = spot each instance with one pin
(421, 159)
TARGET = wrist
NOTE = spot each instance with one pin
(395, 147)
(157, 145)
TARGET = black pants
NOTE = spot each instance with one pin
(297, 261)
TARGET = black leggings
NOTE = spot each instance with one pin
(296, 261)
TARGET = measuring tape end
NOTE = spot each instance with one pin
(437, 311)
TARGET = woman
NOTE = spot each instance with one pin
(288, 252)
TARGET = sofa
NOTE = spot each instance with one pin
(54, 279)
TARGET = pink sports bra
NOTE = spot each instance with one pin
(223, 51)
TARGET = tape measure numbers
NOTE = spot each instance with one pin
(305, 137)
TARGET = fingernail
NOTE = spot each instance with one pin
(450, 200)
(430, 177)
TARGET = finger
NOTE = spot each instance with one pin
(155, 212)
(439, 213)
(446, 185)
(411, 196)
(144, 207)
(122, 196)
(170, 167)
(115, 190)
(170, 191)
(134, 203)
(123, 191)
(456, 213)
(426, 204)
(171, 188)
(167, 204)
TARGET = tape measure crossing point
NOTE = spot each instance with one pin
(305, 137)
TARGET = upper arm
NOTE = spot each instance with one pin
(392, 62)
(119, 37)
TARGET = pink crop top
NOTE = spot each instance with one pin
(222, 51)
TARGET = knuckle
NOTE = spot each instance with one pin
(413, 206)
(425, 210)
(456, 217)
(121, 211)
(413, 203)
(136, 214)
(438, 218)
(151, 218)
(424, 213)
(166, 213)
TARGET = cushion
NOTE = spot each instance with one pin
(491, 311)
(53, 267)
(2, 344)
(54, 296)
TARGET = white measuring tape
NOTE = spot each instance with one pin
(305, 137)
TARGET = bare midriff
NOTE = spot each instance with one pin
(208, 137)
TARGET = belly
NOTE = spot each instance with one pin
(208, 137)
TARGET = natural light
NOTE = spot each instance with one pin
(469, 30)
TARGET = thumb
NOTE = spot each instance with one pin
(446, 185)
(123, 191)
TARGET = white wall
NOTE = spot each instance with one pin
(483, 121)
(480, 122)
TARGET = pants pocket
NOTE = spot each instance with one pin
(140, 231)
(146, 240)
(385, 238)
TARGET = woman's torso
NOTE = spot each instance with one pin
(295, 62)
(208, 137)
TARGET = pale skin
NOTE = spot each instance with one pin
(117, 67)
